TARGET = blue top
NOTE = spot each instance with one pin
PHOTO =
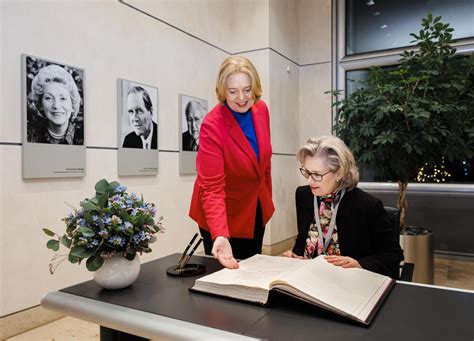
(246, 124)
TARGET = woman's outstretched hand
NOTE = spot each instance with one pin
(345, 262)
(222, 251)
(291, 254)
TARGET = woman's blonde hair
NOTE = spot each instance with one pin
(236, 64)
(339, 158)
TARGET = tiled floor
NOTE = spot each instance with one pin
(454, 273)
(65, 329)
(448, 272)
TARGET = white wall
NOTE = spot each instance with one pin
(111, 40)
(300, 73)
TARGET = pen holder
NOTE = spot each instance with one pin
(187, 271)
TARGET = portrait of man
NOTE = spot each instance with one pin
(194, 113)
(139, 107)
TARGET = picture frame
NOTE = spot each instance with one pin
(137, 128)
(53, 119)
(192, 111)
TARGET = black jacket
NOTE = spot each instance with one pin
(363, 229)
(132, 140)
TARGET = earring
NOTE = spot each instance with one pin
(338, 180)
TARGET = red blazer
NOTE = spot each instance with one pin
(230, 179)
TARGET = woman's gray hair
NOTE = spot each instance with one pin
(55, 74)
(339, 158)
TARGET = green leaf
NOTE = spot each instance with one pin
(103, 199)
(53, 244)
(86, 231)
(88, 217)
(49, 232)
(101, 186)
(66, 241)
(113, 185)
(81, 252)
(94, 262)
(73, 259)
(88, 205)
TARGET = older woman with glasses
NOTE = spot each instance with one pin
(338, 220)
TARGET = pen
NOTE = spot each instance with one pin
(183, 255)
(190, 255)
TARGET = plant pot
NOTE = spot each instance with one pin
(117, 272)
(418, 248)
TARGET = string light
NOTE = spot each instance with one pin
(435, 173)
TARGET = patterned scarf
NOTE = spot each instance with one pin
(326, 208)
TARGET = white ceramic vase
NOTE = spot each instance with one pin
(117, 272)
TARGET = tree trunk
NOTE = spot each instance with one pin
(402, 202)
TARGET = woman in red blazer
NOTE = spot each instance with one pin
(232, 197)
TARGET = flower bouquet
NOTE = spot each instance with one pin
(111, 223)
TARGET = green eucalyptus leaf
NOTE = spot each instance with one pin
(49, 232)
(101, 186)
(81, 252)
(53, 244)
(88, 205)
(88, 217)
(66, 241)
(94, 262)
(102, 201)
(86, 231)
(113, 185)
(73, 259)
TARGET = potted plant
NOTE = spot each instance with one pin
(109, 231)
(411, 117)
(415, 115)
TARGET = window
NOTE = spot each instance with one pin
(375, 32)
(374, 25)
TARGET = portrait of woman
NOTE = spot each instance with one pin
(54, 103)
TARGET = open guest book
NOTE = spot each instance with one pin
(354, 293)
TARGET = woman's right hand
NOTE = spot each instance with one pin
(290, 254)
(222, 251)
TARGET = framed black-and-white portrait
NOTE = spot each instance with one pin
(53, 133)
(191, 114)
(137, 128)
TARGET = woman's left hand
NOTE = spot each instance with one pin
(345, 262)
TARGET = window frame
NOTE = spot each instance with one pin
(342, 63)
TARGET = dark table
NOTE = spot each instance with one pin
(160, 306)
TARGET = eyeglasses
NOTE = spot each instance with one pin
(315, 176)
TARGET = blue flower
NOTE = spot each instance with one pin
(93, 244)
(103, 233)
(139, 237)
(121, 189)
(96, 219)
(117, 241)
(107, 219)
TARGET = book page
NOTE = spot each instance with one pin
(353, 291)
(257, 271)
